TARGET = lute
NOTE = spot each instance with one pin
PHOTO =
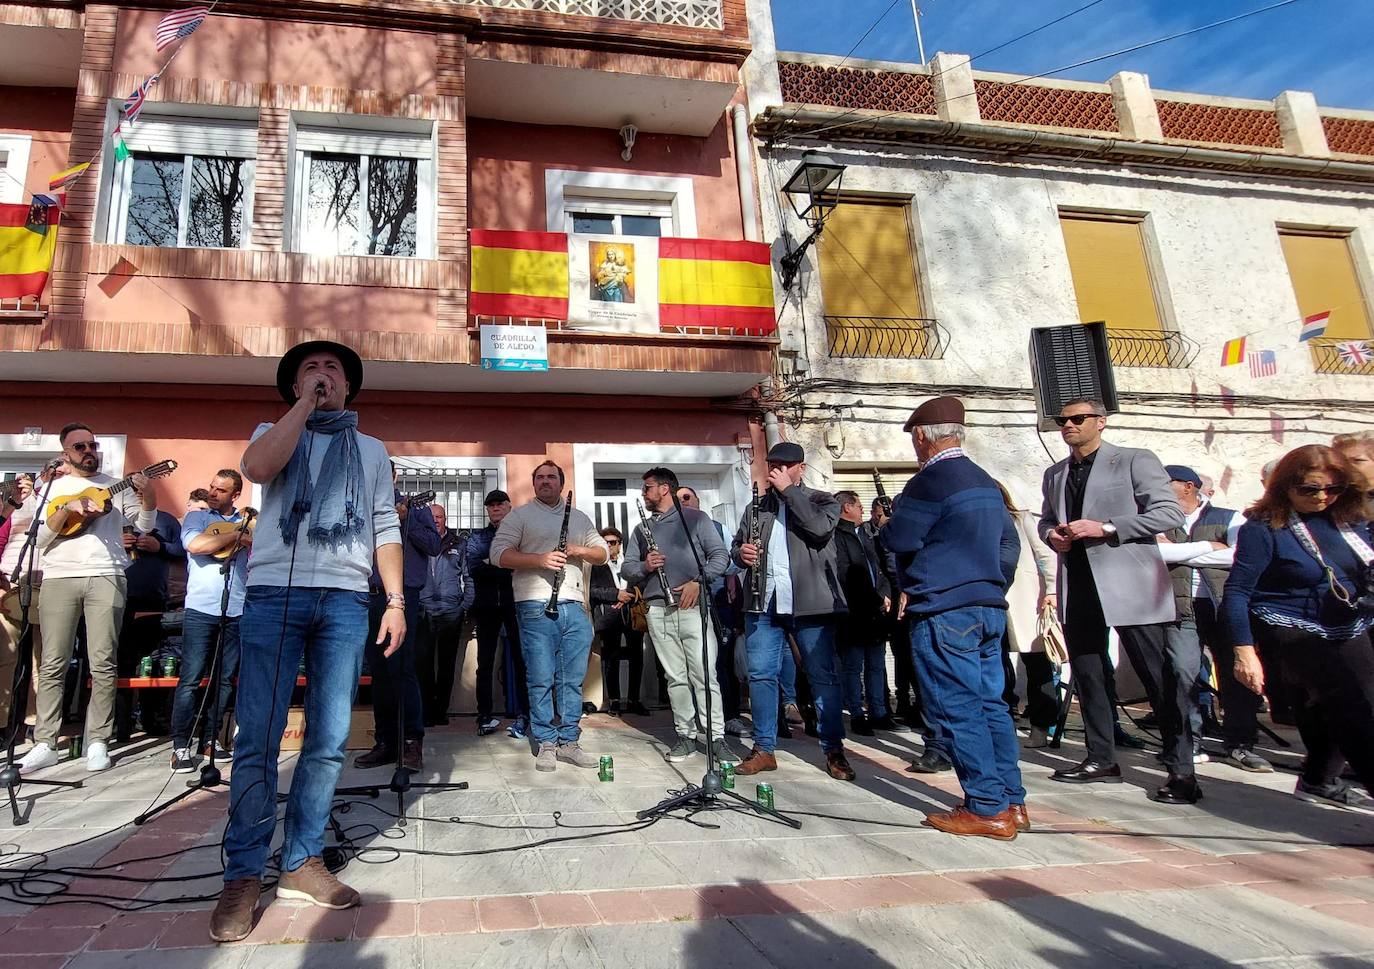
(229, 528)
(76, 522)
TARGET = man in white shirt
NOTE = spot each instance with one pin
(83, 577)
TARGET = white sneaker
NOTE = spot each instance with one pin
(41, 756)
(97, 757)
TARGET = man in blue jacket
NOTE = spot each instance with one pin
(956, 549)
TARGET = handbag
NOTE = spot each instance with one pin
(639, 613)
(1050, 636)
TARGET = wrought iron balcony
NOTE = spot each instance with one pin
(702, 14)
(1326, 357)
(1151, 348)
(895, 338)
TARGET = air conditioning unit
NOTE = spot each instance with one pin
(1068, 362)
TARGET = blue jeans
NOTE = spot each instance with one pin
(328, 627)
(787, 678)
(958, 659)
(766, 644)
(864, 677)
(556, 652)
(198, 634)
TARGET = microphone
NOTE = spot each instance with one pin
(320, 390)
(53, 465)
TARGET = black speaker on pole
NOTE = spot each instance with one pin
(1068, 362)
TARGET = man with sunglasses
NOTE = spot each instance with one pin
(83, 578)
(1103, 507)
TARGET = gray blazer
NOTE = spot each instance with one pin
(1129, 488)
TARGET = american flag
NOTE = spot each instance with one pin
(133, 104)
(1355, 353)
(1263, 363)
(179, 24)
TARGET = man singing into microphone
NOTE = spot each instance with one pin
(327, 509)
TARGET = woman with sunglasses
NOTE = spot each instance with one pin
(1301, 591)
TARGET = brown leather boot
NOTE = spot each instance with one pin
(759, 760)
(379, 756)
(837, 766)
(413, 756)
(962, 821)
(1020, 816)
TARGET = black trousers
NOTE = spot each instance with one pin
(438, 645)
(1334, 702)
(1042, 696)
(490, 622)
(395, 680)
(1240, 707)
(619, 644)
(1167, 657)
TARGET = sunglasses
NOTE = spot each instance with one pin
(612, 541)
(1311, 491)
(81, 447)
(650, 487)
(1075, 419)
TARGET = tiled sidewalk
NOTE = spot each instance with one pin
(1106, 877)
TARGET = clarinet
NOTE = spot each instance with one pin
(883, 499)
(551, 610)
(755, 539)
(652, 546)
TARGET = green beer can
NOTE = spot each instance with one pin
(171, 666)
(145, 667)
(765, 796)
(727, 776)
(607, 769)
(75, 747)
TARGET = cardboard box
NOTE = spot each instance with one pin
(360, 729)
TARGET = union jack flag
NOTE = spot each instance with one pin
(179, 24)
(1355, 353)
(133, 104)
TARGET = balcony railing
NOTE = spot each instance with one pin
(1326, 357)
(895, 338)
(1151, 348)
(702, 14)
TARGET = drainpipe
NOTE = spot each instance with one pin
(772, 434)
(744, 171)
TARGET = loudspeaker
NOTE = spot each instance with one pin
(1068, 362)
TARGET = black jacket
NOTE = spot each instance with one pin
(492, 584)
(865, 585)
(811, 519)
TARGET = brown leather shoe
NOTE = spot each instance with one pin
(964, 822)
(379, 756)
(413, 756)
(759, 760)
(837, 766)
(1020, 817)
(232, 918)
(314, 883)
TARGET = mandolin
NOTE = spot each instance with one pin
(228, 528)
(76, 522)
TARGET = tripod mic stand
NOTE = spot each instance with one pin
(10, 778)
(210, 776)
(710, 791)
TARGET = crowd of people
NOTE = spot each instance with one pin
(1214, 608)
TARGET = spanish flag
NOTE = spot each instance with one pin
(28, 242)
(715, 283)
(1233, 352)
(519, 274)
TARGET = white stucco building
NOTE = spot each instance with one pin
(977, 207)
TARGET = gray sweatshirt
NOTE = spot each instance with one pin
(320, 567)
(672, 542)
(534, 528)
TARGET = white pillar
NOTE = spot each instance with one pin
(1301, 124)
(951, 77)
(1134, 104)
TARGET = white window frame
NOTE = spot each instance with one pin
(191, 138)
(592, 461)
(18, 454)
(16, 167)
(673, 198)
(309, 138)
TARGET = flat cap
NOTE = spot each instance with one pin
(785, 452)
(1180, 472)
(937, 410)
(495, 498)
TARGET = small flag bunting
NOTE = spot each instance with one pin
(133, 104)
(46, 200)
(1209, 435)
(121, 150)
(1355, 353)
(1263, 363)
(1313, 326)
(64, 178)
(1276, 426)
(179, 24)
(1233, 352)
(1228, 400)
(1225, 483)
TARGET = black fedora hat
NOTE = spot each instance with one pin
(291, 362)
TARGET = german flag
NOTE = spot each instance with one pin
(519, 274)
(715, 283)
(28, 242)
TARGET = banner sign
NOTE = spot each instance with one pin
(515, 348)
(634, 284)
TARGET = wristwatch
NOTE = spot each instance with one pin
(1108, 530)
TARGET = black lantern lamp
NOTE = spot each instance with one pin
(813, 191)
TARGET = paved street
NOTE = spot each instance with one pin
(1249, 876)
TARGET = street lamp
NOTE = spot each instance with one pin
(813, 190)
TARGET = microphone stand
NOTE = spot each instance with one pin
(210, 776)
(10, 778)
(708, 793)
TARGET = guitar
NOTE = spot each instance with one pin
(229, 528)
(77, 522)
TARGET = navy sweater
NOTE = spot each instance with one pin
(1274, 574)
(955, 543)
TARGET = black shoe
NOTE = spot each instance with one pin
(810, 729)
(860, 727)
(588, 708)
(885, 722)
(1178, 790)
(784, 731)
(379, 756)
(614, 708)
(931, 762)
(1128, 741)
(638, 709)
(1089, 772)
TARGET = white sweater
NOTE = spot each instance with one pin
(99, 548)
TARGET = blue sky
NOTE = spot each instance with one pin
(1312, 45)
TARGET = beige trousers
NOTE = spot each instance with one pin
(677, 641)
(9, 662)
(100, 599)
